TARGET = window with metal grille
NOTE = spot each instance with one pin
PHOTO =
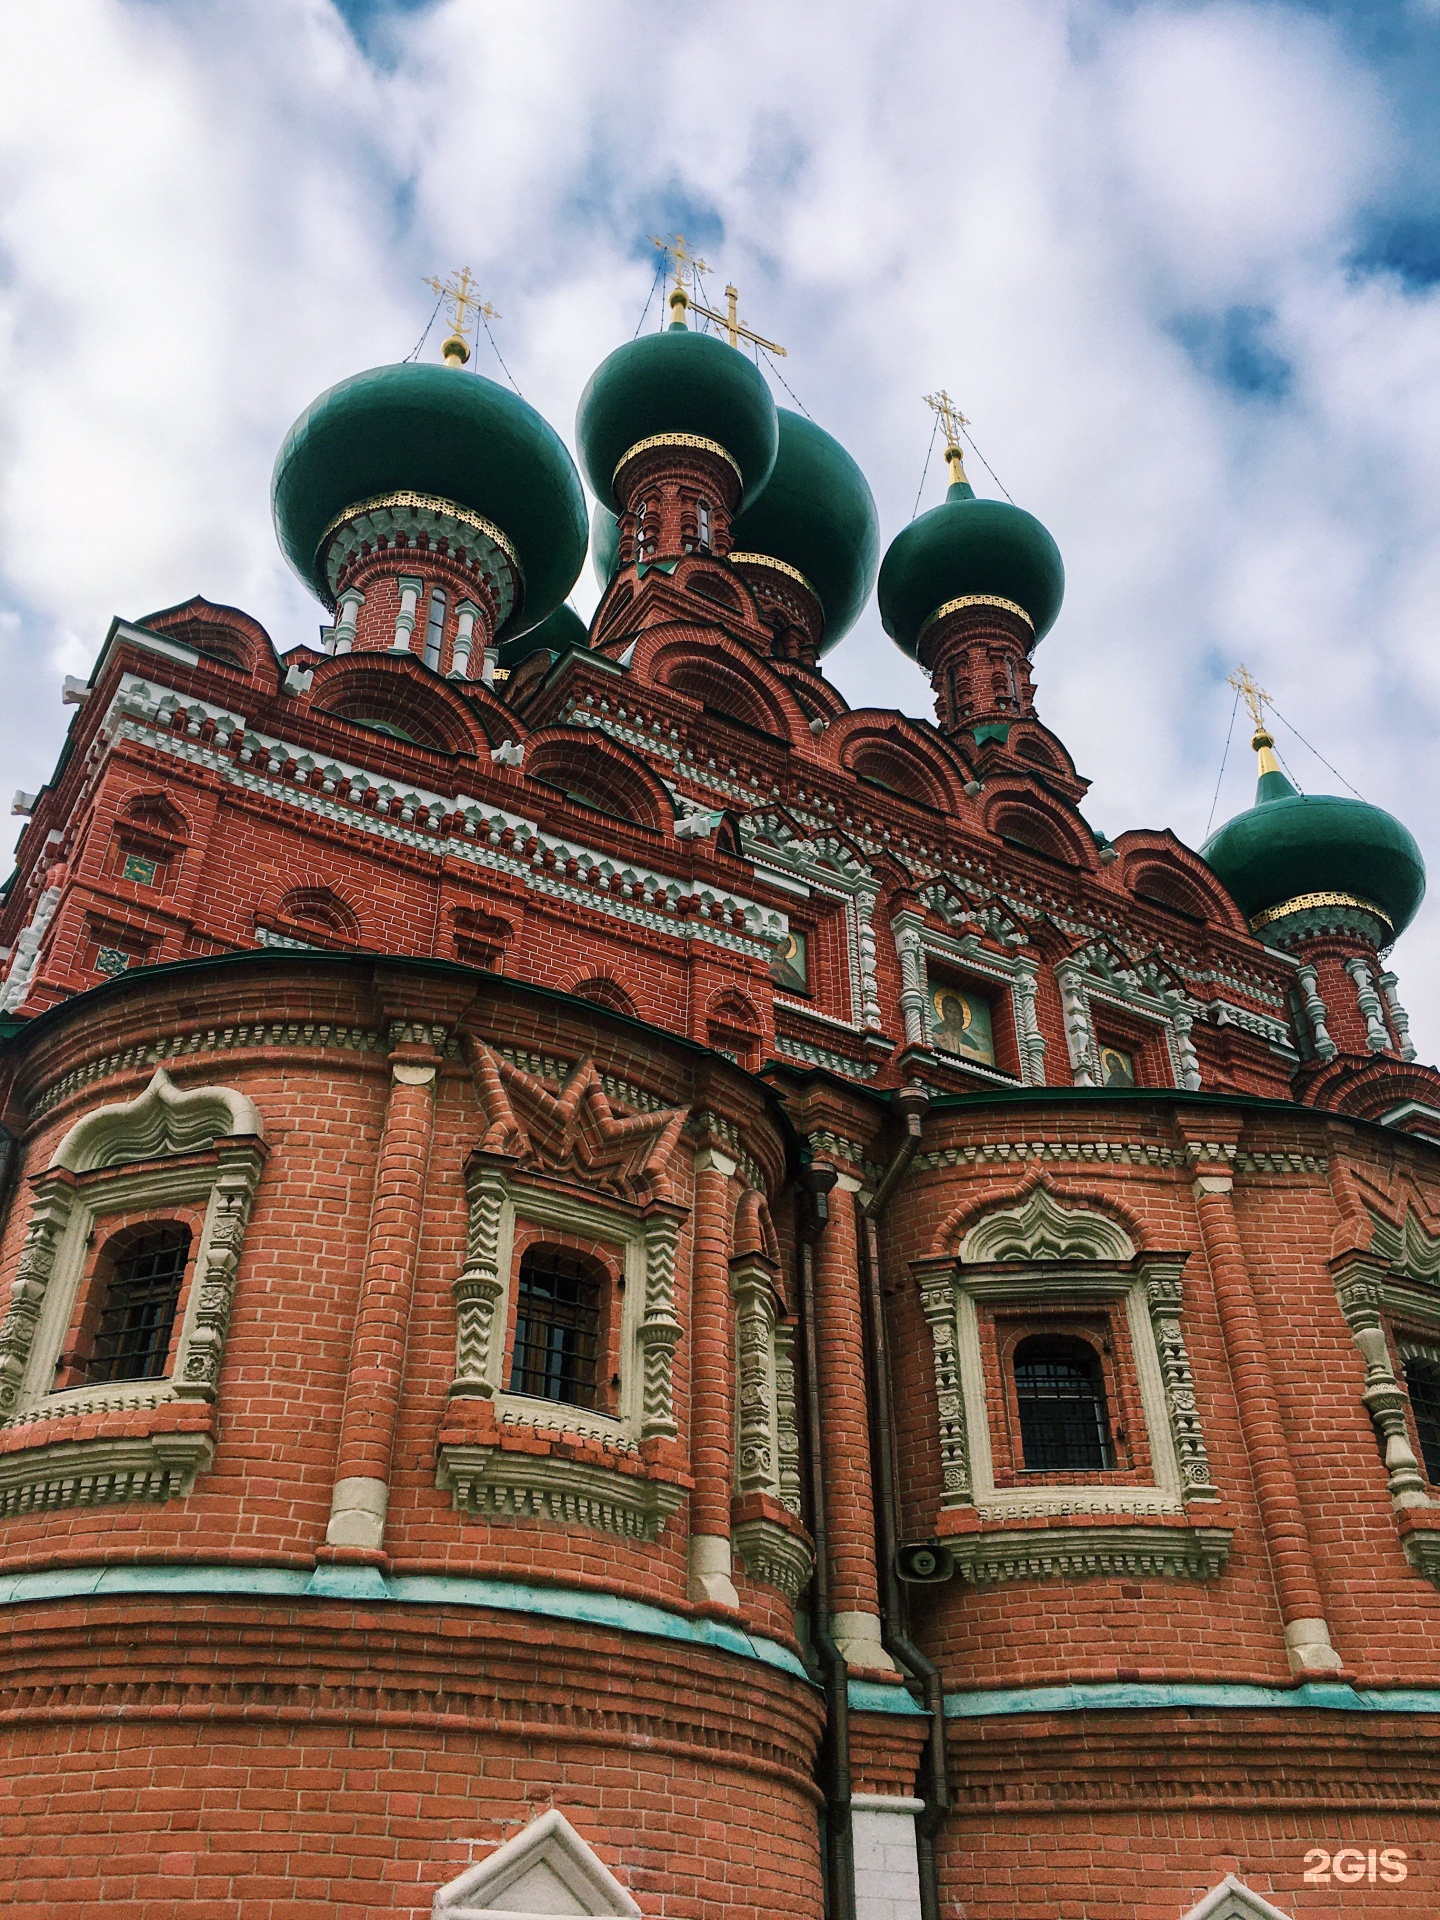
(557, 1327)
(1422, 1382)
(137, 1316)
(1061, 1398)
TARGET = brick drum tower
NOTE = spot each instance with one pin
(629, 1292)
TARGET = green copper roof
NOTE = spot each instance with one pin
(817, 513)
(969, 546)
(604, 544)
(439, 430)
(559, 633)
(1291, 843)
(676, 382)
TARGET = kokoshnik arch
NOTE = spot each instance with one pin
(628, 1291)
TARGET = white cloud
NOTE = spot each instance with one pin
(209, 213)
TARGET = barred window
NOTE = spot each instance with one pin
(557, 1326)
(1422, 1381)
(1064, 1427)
(137, 1314)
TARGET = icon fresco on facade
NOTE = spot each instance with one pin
(790, 962)
(960, 1023)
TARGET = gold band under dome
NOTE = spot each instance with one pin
(1302, 901)
(769, 560)
(977, 600)
(433, 503)
(697, 441)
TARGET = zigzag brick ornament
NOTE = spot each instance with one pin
(627, 1291)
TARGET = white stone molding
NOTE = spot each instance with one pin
(165, 1149)
(1014, 973)
(1233, 1900)
(1399, 1019)
(1315, 1011)
(491, 1479)
(1038, 1254)
(767, 1444)
(546, 1869)
(1360, 1290)
(478, 834)
(825, 865)
(1372, 1011)
(1079, 1035)
(27, 951)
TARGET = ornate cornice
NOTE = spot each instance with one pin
(976, 600)
(768, 560)
(692, 442)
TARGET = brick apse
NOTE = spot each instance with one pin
(628, 1291)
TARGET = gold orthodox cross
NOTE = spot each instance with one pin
(730, 321)
(1253, 694)
(954, 422)
(676, 249)
(464, 296)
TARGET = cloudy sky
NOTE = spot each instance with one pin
(1178, 261)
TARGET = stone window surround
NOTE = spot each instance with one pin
(916, 943)
(168, 1149)
(488, 1479)
(1085, 984)
(1033, 1255)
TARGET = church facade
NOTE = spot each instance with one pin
(627, 1291)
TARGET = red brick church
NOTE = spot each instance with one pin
(627, 1291)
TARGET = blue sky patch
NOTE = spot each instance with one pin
(1233, 348)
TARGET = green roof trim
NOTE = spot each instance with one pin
(368, 1586)
(1133, 1696)
(435, 429)
(997, 730)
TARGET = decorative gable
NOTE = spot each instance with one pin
(1232, 1900)
(548, 1869)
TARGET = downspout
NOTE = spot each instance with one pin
(817, 1180)
(911, 1102)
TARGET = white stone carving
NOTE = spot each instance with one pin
(1377, 1034)
(162, 1119)
(1399, 1019)
(545, 1870)
(1233, 1900)
(27, 951)
(1315, 1012)
(767, 1451)
(1041, 1229)
(1015, 972)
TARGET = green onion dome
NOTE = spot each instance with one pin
(676, 382)
(1296, 850)
(604, 544)
(560, 632)
(442, 432)
(817, 514)
(969, 546)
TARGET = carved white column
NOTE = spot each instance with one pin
(1359, 1289)
(1163, 1295)
(478, 1290)
(1399, 1019)
(870, 1014)
(464, 640)
(756, 1465)
(1315, 1012)
(1027, 1027)
(1377, 1034)
(937, 1296)
(405, 618)
(912, 980)
(1079, 1036)
(347, 615)
(1186, 1059)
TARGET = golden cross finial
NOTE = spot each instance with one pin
(730, 321)
(953, 421)
(464, 297)
(1253, 694)
(677, 249)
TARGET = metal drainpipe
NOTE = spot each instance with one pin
(817, 1180)
(911, 1102)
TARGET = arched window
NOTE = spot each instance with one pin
(1422, 1381)
(137, 1306)
(435, 628)
(1060, 1394)
(557, 1326)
